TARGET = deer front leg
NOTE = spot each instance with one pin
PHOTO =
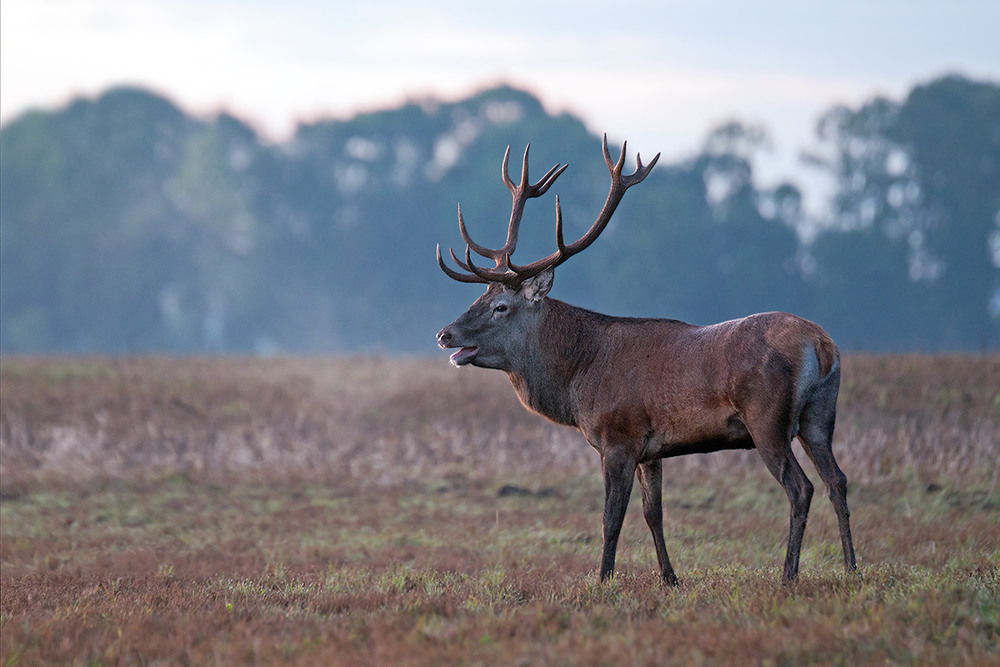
(619, 471)
(651, 485)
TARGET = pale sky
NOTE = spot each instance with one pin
(659, 73)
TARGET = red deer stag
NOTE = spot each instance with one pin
(641, 390)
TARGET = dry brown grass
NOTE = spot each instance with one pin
(237, 511)
(387, 421)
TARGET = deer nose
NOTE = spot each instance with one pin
(444, 337)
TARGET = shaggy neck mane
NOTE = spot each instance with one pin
(567, 340)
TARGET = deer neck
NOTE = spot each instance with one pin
(557, 351)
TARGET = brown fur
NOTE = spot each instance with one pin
(641, 390)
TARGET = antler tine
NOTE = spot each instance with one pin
(641, 171)
(542, 186)
(455, 275)
(505, 173)
(524, 166)
(480, 250)
(525, 272)
(462, 265)
(485, 274)
(613, 167)
(559, 227)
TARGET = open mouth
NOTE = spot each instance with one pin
(464, 355)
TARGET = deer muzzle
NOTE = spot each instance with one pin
(464, 355)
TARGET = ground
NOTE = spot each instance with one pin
(398, 511)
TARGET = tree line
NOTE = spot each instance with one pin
(130, 226)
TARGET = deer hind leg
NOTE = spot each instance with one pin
(651, 485)
(816, 436)
(771, 434)
(782, 464)
(619, 472)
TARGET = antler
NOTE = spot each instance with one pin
(506, 271)
(501, 256)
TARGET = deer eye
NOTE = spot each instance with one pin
(500, 308)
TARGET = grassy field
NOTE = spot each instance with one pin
(377, 511)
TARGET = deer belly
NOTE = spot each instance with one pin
(679, 440)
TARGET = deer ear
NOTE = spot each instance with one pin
(535, 288)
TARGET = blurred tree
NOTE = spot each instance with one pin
(129, 226)
(918, 180)
(81, 211)
(695, 245)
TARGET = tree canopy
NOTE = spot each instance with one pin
(127, 225)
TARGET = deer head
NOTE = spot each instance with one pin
(497, 327)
